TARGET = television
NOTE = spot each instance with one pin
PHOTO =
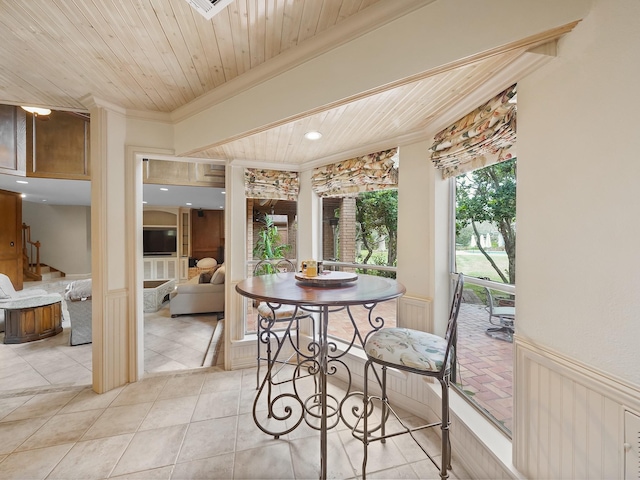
(159, 241)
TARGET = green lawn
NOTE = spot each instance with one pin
(474, 264)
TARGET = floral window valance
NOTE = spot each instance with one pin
(483, 137)
(271, 184)
(376, 171)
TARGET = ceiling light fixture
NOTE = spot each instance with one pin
(164, 189)
(189, 203)
(24, 195)
(36, 110)
(22, 181)
(313, 135)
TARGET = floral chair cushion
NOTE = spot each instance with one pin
(282, 313)
(408, 348)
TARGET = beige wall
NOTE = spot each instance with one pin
(65, 234)
(578, 170)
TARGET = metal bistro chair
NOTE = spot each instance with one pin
(504, 319)
(415, 352)
(285, 314)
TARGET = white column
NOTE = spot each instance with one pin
(114, 359)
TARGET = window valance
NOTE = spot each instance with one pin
(376, 171)
(485, 136)
(271, 184)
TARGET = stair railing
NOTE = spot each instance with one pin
(30, 253)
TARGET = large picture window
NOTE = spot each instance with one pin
(484, 250)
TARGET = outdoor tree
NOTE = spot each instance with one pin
(377, 217)
(269, 244)
(489, 195)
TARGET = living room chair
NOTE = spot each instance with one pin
(415, 352)
(8, 293)
(269, 315)
(502, 317)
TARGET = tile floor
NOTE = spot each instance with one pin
(170, 344)
(188, 425)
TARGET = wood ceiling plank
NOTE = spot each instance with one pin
(156, 72)
(257, 31)
(329, 14)
(178, 52)
(238, 17)
(210, 49)
(222, 27)
(309, 19)
(273, 36)
(126, 45)
(291, 23)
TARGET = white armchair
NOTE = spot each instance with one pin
(8, 293)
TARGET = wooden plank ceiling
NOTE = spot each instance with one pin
(159, 55)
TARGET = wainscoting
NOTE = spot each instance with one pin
(571, 419)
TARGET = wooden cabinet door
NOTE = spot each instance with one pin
(11, 237)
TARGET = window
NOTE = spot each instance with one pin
(484, 250)
(359, 233)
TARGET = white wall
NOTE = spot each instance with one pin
(577, 330)
(65, 234)
(578, 171)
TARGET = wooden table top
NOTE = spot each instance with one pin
(284, 288)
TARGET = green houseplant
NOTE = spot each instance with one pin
(269, 244)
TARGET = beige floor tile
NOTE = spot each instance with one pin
(170, 411)
(151, 449)
(76, 374)
(381, 456)
(162, 473)
(220, 467)
(61, 429)
(217, 405)
(141, 392)
(87, 399)
(43, 405)
(398, 473)
(10, 403)
(118, 420)
(33, 464)
(250, 436)
(183, 385)
(13, 434)
(209, 438)
(220, 382)
(306, 457)
(269, 462)
(24, 379)
(103, 453)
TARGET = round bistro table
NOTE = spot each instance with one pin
(284, 289)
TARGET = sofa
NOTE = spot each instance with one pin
(204, 293)
(77, 298)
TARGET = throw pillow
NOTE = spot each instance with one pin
(218, 276)
(207, 262)
(206, 277)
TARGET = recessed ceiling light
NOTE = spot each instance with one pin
(189, 203)
(313, 135)
(24, 195)
(144, 201)
(44, 200)
(164, 189)
(224, 193)
(22, 181)
(221, 206)
(37, 110)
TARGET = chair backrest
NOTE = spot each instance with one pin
(452, 324)
(265, 267)
(489, 300)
